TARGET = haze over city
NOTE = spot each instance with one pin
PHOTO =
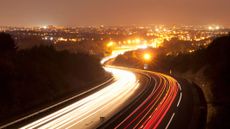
(114, 64)
(113, 12)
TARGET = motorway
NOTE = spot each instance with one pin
(90, 111)
(135, 99)
(152, 106)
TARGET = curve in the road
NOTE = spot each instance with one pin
(95, 109)
(87, 112)
(153, 109)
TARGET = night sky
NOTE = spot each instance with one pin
(113, 12)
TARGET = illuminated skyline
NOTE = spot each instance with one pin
(113, 12)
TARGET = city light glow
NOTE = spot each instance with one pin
(147, 56)
(44, 27)
(110, 44)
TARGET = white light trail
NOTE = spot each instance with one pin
(86, 112)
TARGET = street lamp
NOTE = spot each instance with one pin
(110, 44)
(147, 57)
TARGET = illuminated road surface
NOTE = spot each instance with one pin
(150, 113)
(101, 106)
(95, 109)
(92, 110)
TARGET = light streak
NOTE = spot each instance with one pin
(112, 98)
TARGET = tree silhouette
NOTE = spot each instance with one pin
(33, 77)
(215, 60)
(7, 52)
(7, 45)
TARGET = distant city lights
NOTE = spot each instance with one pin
(122, 38)
(44, 27)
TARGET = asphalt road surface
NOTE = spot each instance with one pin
(135, 99)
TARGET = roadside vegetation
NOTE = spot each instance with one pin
(208, 67)
(39, 75)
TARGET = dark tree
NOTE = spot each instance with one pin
(35, 77)
(7, 53)
(7, 45)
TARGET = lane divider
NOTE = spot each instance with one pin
(167, 126)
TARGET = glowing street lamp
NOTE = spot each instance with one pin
(110, 44)
(137, 41)
(147, 57)
(44, 27)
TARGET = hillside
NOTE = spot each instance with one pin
(208, 67)
(33, 77)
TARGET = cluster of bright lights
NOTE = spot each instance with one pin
(110, 44)
(62, 39)
(136, 43)
(213, 27)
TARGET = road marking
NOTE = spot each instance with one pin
(179, 99)
(179, 87)
(55, 105)
(122, 87)
(170, 121)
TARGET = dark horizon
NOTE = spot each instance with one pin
(119, 12)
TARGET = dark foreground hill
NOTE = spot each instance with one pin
(209, 67)
(29, 78)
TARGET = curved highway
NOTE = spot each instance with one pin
(135, 99)
(90, 111)
(96, 109)
(151, 108)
